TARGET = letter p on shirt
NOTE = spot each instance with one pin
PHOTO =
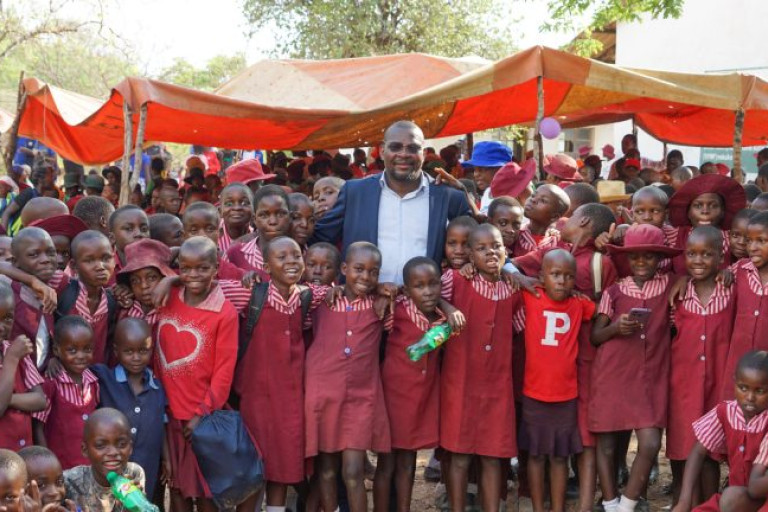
(556, 323)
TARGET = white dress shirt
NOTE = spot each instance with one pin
(403, 228)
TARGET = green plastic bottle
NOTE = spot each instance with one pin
(432, 339)
(129, 495)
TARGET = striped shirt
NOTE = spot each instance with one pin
(415, 315)
(711, 433)
(718, 301)
(527, 242)
(30, 376)
(252, 253)
(68, 389)
(491, 290)
(225, 241)
(762, 455)
(651, 288)
(137, 311)
(746, 266)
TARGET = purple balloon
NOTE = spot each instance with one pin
(549, 128)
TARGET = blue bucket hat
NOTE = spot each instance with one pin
(489, 154)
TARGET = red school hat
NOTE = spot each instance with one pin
(562, 166)
(247, 171)
(732, 193)
(61, 225)
(512, 179)
(146, 253)
(644, 238)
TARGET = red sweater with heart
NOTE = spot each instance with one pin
(196, 352)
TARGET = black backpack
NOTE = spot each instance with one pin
(67, 301)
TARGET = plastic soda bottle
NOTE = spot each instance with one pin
(129, 495)
(432, 339)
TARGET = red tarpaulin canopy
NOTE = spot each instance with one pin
(298, 104)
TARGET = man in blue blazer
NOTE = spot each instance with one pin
(401, 211)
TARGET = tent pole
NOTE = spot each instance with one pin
(139, 143)
(13, 132)
(125, 191)
(469, 146)
(738, 132)
(538, 142)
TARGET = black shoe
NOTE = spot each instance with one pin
(432, 474)
(572, 489)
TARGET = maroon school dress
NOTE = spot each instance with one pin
(16, 425)
(411, 389)
(630, 374)
(742, 444)
(698, 358)
(99, 321)
(27, 315)
(270, 382)
(65, 417)
(585, 283)
(477, 399)
(344, 400)
(751, 324)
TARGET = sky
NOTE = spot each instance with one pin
(197, 30)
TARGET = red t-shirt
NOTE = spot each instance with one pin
(552, 344)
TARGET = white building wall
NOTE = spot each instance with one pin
(712, 36)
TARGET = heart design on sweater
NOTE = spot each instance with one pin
(182, 344)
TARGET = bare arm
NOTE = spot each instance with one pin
(31, 401)
(603, 329)
(690, 477)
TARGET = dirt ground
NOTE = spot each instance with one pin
(424, 492)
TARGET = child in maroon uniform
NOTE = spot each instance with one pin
(322, 264)
(166, 228)
(550, 428)
(709, 199)
(457, 242)
(95, 264)
(128, 224)
(411, 389)
(63, 229)
(195, 360)
(704, 321)
(236, 207)
(542, 210)
(20, 391)
(147, 262)
(735, 429)
(344, 403)
(72, 394)
(272, 219)
(506, 214)
(270, 374)
(630, 373)
(478, 413)
(302, 218)
(751, 286)
(594, 273)
(738, 234)
(202, 219)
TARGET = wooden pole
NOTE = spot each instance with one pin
(139, 144)
(738, 131)
(538, 142)
(470, 145)
(13, 132)
(125, 188)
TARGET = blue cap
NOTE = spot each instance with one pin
(489, 154)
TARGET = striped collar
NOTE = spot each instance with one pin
(652, 288)
(718, 301)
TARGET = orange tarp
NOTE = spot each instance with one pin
(296, 104)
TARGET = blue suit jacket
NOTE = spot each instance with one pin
(355, 216)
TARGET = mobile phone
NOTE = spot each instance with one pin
(639, 315)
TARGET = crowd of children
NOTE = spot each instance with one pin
(578, 317)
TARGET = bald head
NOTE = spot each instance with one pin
(106, 417)
(401, 126)
(30, 234)
(558, 257)
(199, 247)
(42, 208)
(563, 201)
